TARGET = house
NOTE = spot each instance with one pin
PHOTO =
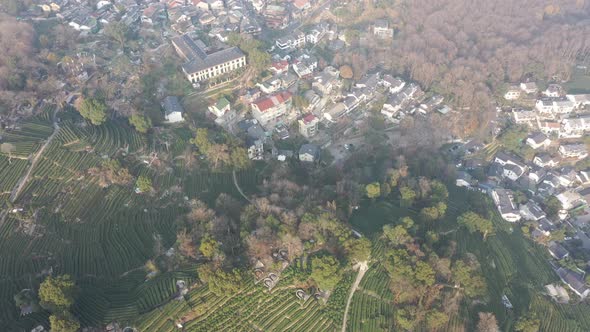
(301, 5)
(575, 127)
(513, 167)
(309, 153)
(537, 174)
(394, 84)
(504, 200)
(172, 109)
(304, 65)
(552, 91)
(531, 211)
(270, 108)
(553, 106)
(381, 29)
(529, 87)
(312, 99)
(464, 179)
(525, 117)
(583, 177)
(271, 85)
(550, 127)
(215, 5)
(567, 176)
(279, 67)
(255, 148)
(545, 160)
(557, 250)
(513, 93)
(200, 65)
(538, 140)
(308, 125)
(326, 81)
(294, 40)
(570, 200)
(574, 280)
(545, 227)
(574, 151)
(255, 138)
(220, 107)
(579, 101)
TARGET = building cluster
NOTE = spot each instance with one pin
(527, 191)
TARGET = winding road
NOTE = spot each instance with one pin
(363, 267)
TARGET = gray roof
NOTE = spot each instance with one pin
(557, 250)
(538, 137)
(310, 149)
(573, 279)
(196, 57)
(172, 104)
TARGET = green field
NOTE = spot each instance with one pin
(101, 236)
(579, 82)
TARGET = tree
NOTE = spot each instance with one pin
(359, 250)
(143, 184)
(408, 196)
(373, 190)
(528, 323)
(397, 235)
(438, 191)
(218, 154)
(487, 322)
(436, 319)
(424, 273)
(393, 176)
(57, 293)
(201, 140)
(466, 277)
(552, 207)
(186, 245)
(429, 213)
(325, 271)
(209, 247)
(220, 282)
(346, 72)
(93, 110)
(476, 223)
(118, 31)
(239, 158)
(63, 322)
(141, 123)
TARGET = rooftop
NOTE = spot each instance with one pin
(196, 56)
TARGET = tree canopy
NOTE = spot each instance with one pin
(476, 223)
(325, 271)
(93, 110)
(57, 293)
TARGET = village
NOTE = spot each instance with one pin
(543, 183)
(302, 107)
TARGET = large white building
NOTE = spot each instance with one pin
(202, 66)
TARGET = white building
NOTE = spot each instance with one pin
(202, 66)
(504, 200)
(270, 108)
(220, 107)
(172, 109)
(513, 93)
(308, 125)
(575, 151)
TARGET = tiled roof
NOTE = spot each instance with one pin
(266, 103)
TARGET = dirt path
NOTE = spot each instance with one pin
(23, 181)
(238, 187)
(363, 267)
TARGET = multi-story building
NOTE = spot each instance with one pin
(201, 66)
(269, 108)
(382, 30)
(308, 125)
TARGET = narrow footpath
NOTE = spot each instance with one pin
(25, 179)
(363, 267)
